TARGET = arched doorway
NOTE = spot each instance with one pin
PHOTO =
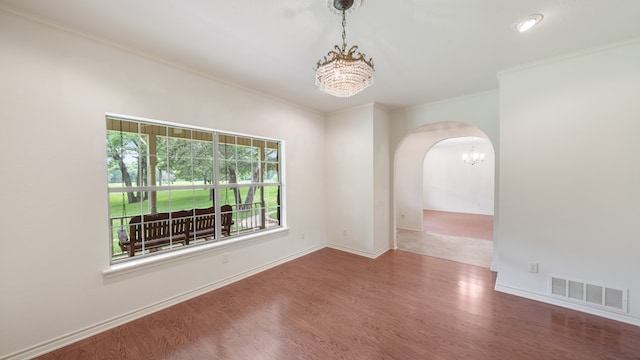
(430, 174)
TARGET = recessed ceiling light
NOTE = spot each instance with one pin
(528, 22)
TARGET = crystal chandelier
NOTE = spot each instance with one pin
(472, 157)
(344, 73)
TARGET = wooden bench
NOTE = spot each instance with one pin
(226, 217)
(178, 227)
(205, 223)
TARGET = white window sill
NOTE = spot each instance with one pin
(126, 267)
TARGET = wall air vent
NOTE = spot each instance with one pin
(588, 294)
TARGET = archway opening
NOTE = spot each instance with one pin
(434, 187)
(458, 186)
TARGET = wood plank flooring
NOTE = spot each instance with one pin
(474, 226)
(335, 305)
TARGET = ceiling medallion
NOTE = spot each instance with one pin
(336, 6)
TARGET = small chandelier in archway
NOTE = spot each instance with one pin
(473, 157)
(346, 72)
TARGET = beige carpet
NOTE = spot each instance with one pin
(464, 250)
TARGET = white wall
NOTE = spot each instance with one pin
(55, 90)
(382, 220)
(449, 184)
(349, 180)
(416, 130)
(569, 174)
(358, 199)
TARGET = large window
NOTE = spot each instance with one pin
(172, 186)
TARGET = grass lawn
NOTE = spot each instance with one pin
(184, 199)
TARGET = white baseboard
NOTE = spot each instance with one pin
(380, 251)
(410, 228)
(358, 252)
(494, 264)
(577, 307)
(70, 338)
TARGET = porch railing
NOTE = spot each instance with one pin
(246, 218)
(252, 217)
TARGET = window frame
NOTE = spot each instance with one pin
(263, 162)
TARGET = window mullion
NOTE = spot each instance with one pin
(216, 182)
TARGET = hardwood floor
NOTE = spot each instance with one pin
(336, 305)
(458, 224)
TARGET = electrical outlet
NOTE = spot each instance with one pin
(533, 267)
(344, 232)
(225, 258)
(302, 236)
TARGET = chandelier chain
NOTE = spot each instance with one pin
(344, 32)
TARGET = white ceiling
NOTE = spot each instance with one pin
(423, 50)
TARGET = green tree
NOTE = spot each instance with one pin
(240, 162)
(186, 159)
(120, 147)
